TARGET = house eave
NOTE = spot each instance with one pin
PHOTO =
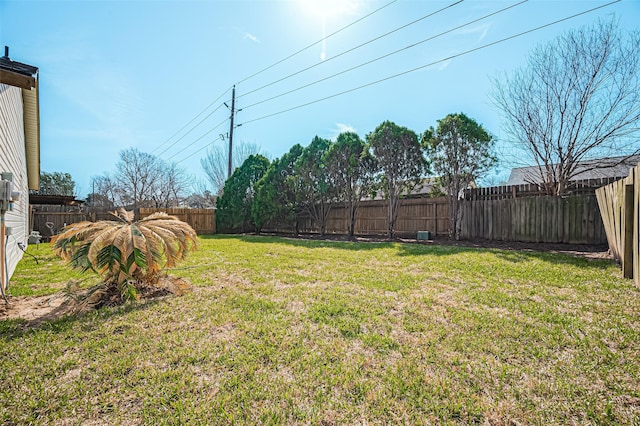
(25, 77)
(17, 79)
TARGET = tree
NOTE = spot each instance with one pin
(104, 192)
(399, 157)
(216, 163)
(275, 200)
(129, 255)
(170, 187)
(56, 183)
(460, 151)
(234, 205)
(140, 180)
(137, 175)
(315, 191)
(351, 170)
(578, 98)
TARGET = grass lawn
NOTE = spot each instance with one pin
(282, 331)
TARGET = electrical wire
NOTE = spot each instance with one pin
(200, 138)
(315, 43)
(190, 130)
(353, 48)
(21, 246)
(432, 63)
(282, 60)
(195, 152)
(383, 56)
(191, 121)
(255, 74)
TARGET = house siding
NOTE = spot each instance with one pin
(13, 159)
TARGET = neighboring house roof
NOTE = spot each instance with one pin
(54, 200)
(611, 167)
(25, 77)
(423, 189)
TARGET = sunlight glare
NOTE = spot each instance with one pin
(330, 8)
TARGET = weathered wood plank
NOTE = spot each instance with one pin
(619, 204)
(636, 225)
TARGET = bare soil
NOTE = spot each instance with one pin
(36, 309)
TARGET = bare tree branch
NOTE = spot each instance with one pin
(577, 99)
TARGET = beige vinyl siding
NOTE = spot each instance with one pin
(13, 159)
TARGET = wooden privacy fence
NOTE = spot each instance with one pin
(620, 208)
(576, 187)
(414, 214)
(49, 220)
(490, 213)
(542, 219)
(203, 221)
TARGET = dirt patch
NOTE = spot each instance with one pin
(37, 309)
(31, 308)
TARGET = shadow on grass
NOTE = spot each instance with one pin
(513, 252)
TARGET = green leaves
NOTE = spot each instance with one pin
(56, 183)
(234, 206)
(401, 163)
(460, 150)
(314, 188)
(275, 196)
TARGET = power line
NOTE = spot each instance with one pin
(255, 74)
(432, 63)
(384, 56)
(190, 121)
(353, 48)
(219, 138)
(190, 130)
(200, 138)
(315, 43)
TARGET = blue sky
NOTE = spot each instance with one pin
(119, 74)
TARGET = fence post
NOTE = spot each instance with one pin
(627, 232)
(636, 225)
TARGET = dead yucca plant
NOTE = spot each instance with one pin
(129, 255)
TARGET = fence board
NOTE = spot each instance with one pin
(57, 217)
(414, 214)
(201, 220)
(636, 226)
(619, 204)
(541, 218)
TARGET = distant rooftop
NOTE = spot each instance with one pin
(611, 167)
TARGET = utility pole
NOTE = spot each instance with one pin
(233, 113)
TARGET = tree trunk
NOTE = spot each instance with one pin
(352, 219)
